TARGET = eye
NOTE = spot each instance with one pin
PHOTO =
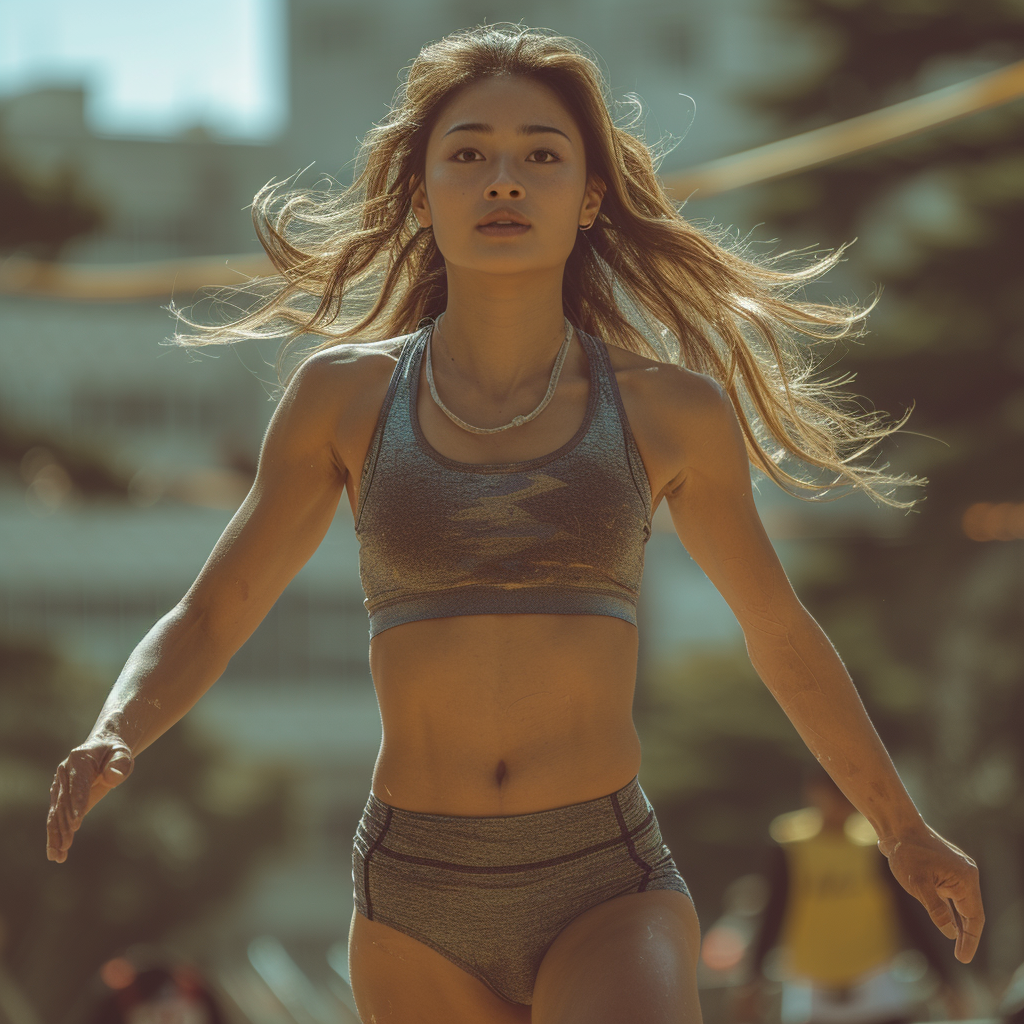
(550, 156)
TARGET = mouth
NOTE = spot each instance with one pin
(503, 228)
(503, 223)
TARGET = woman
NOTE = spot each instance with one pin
(586, 354)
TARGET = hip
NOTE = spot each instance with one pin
(491, 893)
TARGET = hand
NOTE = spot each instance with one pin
(83, 778)
(944, 880)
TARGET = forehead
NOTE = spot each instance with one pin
(505, 102)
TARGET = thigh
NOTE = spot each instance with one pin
(632, 958)
(397, 979)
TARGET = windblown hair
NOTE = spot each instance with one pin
(354, 264)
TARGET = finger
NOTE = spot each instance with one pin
(64, 804)
(52, 832)
(964, 899)
(74, 776)
(958, 949)
(941, 917)
(927, 893)
(118, 767)
(969, 934)
(966, 946)
(956, 917)
(79, 783)
(55, 834)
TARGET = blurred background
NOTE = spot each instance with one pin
(132, 135)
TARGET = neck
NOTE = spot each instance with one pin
(501, 334)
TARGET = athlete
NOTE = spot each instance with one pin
(526, 349)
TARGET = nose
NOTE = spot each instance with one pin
(504, 184)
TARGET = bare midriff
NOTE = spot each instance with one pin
(489, 715)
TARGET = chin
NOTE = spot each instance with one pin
(508, 262)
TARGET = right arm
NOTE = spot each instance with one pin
(276, 529)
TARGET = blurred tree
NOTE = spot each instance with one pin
(720, 761)
(41, 215)
(175, 842)
(42, 458)
(930, 623)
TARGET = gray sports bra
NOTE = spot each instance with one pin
(562, 534)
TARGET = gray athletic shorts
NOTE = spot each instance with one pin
(491, 894)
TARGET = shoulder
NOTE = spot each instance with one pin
(347, 380)
(349, 365)
(679, 417)
(674, 390)
(334, 397)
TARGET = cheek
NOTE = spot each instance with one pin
(566, 193)
(446, 186)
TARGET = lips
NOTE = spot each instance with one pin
(500, 230)
(504, 218)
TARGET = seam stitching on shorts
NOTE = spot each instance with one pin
(366, 864)
(629, 842)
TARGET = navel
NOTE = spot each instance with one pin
(499, 772)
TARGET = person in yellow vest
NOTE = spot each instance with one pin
(839, 918)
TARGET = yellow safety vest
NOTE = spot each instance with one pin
(840, 921)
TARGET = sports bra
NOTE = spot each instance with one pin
(561, 534)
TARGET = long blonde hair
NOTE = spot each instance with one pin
(355, 264)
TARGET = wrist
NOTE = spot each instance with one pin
(894, 816)
(905, 830)
(111, 729)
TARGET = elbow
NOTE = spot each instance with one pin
(203, 628)
(778, 623)
(787, 650)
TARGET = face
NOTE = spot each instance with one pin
(506, 145)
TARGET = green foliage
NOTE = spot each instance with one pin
(40, 216)
(175, 841)
(29, 451)
(879, 47)
(720, 761)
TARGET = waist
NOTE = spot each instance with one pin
(488, 843)
(504, 714)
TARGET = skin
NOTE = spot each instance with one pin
(533, 711)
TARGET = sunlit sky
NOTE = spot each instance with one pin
(154, 68)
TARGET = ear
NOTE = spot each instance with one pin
(592, 197)
(420, 204)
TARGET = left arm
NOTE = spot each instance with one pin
(713, 510)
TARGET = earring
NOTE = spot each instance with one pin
(587, 227)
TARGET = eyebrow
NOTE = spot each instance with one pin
(524, 129)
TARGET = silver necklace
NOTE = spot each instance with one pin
(517, 421)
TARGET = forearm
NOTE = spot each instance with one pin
(801, 668)
(175, 663)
